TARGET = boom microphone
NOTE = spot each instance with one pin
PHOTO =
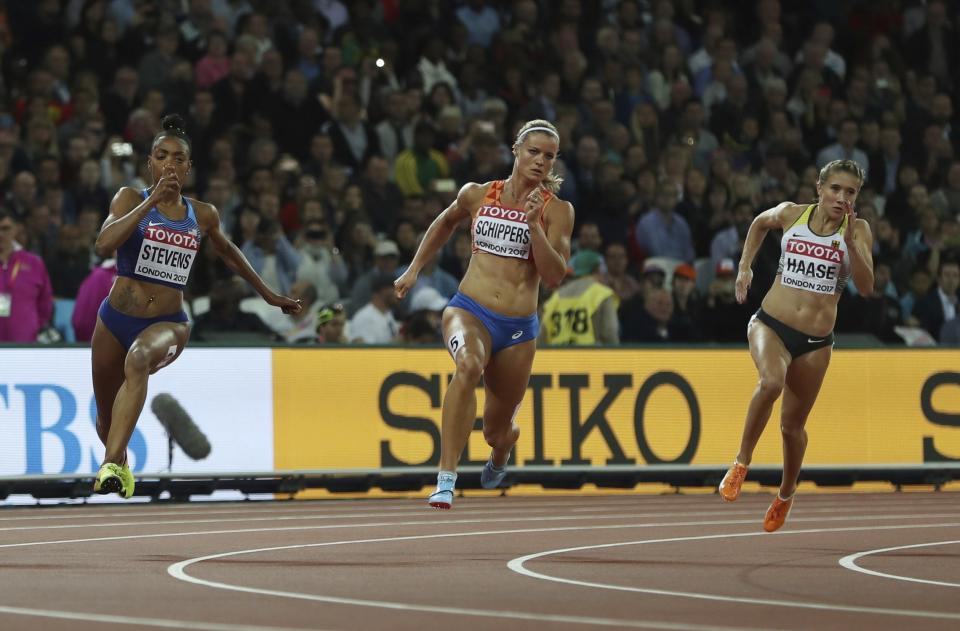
(180, 426)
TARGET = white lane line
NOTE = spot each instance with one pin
(434, 522)
(407, 507)
(139, 621)
(518, 565)
(850, 562)
(507, 510)
(143, 510)
(178, 571)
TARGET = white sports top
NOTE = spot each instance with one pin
(813, 262)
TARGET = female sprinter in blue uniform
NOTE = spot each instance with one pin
(791, 336)
(521, 233)
(141, 326)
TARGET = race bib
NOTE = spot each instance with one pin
(502, 231)
(166, 254)
(811, 266)
(6, 305)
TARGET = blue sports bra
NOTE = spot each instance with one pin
(161, 250)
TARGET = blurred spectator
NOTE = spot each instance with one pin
(728, 243)
(385, 260)
(382, 198)
(877, 314)
(332, 325)
(297, 327)
(374, 322)
(320, 261)
(724, 320)
(225, 320)
(26, 297)
(93, 290)
(70, 262)
(215, 64)
(947, 198)
(582, 311)
(617, 278)
(661, 232)
(417, 167)
(431, 275)
(845, 148)
(431, 65)
(482, 22)
(939, 305)
(686, 320)
(423, 323)
(272, 256)
(646, 319)
(354, 140)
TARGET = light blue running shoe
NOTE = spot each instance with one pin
(442, 498)
(491, 476)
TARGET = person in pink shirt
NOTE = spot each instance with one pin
(94, 288)
(26, 296)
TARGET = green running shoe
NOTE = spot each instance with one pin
(108, 479)
(126, 477)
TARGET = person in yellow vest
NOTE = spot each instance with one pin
(583, 311)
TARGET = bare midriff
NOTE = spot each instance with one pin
(144, 300)
(805, 311)
(506, 285)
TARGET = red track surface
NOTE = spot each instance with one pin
(629, 561)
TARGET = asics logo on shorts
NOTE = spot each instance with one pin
(516, 335)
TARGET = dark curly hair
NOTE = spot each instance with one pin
(173, 126)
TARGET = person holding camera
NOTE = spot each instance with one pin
(141, 326)
(791, 337)
(521, 235)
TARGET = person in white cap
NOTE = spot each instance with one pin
(521, 234)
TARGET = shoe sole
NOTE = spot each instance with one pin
(440, 505)
(110, 485)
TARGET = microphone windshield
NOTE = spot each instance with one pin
(180, 426)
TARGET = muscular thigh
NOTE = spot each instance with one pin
(804, 378)
(508, 372)
(462, 329)
(162, 343)
(767, 350)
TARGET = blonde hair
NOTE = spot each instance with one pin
(841, 166)
(551, 181)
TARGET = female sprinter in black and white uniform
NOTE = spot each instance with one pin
(791, 336)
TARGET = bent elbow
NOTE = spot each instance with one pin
(102, 250)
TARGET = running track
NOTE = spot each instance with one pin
(877, 561)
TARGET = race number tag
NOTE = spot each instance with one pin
(166, 254)
(6, 305)
(455, 343)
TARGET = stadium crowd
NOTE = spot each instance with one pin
(329, 134)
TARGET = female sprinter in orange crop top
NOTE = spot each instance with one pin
(521, 234)
(791, 336)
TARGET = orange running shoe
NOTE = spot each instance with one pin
(777, 513)
(731, 483)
